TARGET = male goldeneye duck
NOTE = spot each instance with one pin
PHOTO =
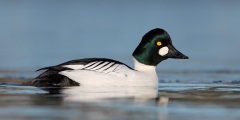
(155, 46)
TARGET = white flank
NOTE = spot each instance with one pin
(163, 51)
(113, 74)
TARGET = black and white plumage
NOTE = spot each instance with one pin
(56, 76)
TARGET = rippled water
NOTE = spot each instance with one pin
(179, 101)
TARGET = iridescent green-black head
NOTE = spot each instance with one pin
(156, 46)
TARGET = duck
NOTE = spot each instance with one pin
(155, 47)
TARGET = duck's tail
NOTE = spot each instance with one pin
(51, 78)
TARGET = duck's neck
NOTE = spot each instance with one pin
(144, 68)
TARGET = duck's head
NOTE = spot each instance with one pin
(156, 46)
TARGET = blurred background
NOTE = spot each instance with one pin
(40, 33)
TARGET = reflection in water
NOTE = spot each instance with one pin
(213, 101)
(104, 103)
(87, 94)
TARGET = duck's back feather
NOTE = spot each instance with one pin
(52, 76)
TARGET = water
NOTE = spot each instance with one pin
(179, 101)
(36, 34)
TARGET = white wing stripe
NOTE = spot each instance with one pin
(111, 68)
(89, 64)
(75, 67)
(100, 66)
(93, 66)
(108, 66)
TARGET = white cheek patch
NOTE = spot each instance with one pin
(163, 51)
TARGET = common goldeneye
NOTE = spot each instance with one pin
(155, 46)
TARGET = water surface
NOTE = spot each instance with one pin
(179, 101)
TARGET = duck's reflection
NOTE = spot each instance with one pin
(113, 102)
(100, 94)
(86, 94)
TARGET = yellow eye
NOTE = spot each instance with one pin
(159, 43)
